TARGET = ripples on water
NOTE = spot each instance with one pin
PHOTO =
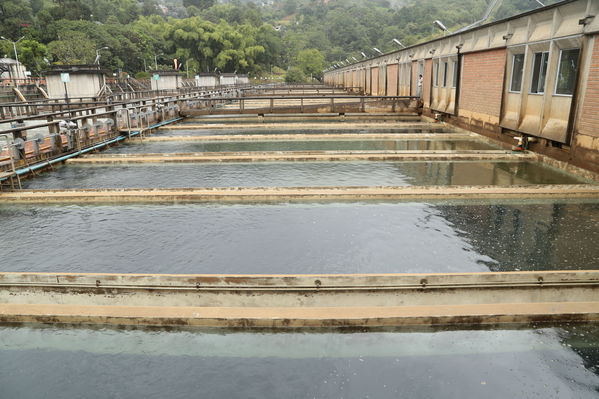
(315, 145)
(307, 238)
(286, 174)
(547, 362)
(273, 130)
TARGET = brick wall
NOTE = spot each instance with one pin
(589, 119)
(482, 82)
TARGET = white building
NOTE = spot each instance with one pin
(207, 80)
(11, 69)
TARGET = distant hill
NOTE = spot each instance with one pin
(251, 36)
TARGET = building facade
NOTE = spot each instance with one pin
(534, 75)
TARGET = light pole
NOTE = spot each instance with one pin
(439, 24)
(156, 60)
(398, 43)
(377, 50)
(14, 46)
(97, 61)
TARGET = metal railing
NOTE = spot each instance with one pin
(74, 131)
(304, 104)
(18, 111)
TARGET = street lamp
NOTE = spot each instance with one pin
(14, 46)
(363, 54)
(156, 60)
(377, 50)
(399, 43)
(355, 59)
(145, 66)
(440, 25)
(97, 60)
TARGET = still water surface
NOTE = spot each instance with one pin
(290, 174)
(312, 145)
(300, 238)
(534, 362)
(274, 130)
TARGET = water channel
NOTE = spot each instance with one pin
(302, 238)
(548, 361)
(536, 361)
(311, 145)
(291, 174)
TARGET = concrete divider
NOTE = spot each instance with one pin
(317, 136)
(280, 301)
(299, 194)
(375, 124)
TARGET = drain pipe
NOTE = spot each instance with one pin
(33, 168)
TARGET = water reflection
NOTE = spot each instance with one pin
(548, 362)
(530, 237)
(301, 238)
(314, 145)
(289, 174)
(274, 130)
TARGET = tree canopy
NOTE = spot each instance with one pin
(302, 36)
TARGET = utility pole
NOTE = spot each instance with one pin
(156, 60)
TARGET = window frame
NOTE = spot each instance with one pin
(445, 70)
(510, 90)
(454, 78)
(436, 74)
(559, 67)
(545, 55)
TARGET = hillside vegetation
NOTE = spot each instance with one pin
(243, 36)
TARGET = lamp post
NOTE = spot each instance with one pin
(439, 24)
(97, 61)
(156, 60)
(14, 46)
(398, 43)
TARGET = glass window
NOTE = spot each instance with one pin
(539, 72)
(436, 72)
(517, 71)
(454, 84)
(445, 74)
(567, 71)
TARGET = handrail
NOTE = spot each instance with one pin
(102, 105)
(303, 97)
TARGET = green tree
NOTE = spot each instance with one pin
(295, 75)
(200, 4)
(15, 16)
(72, 48)
(32, 54)
(311, 62)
